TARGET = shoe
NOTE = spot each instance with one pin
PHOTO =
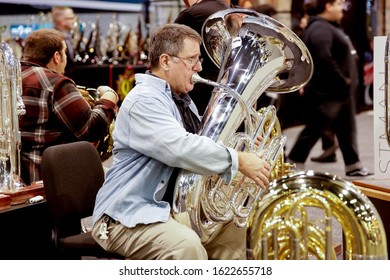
(359, 172)
(329, 155)
(325, 158)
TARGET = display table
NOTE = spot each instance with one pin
(25, 232)
(21, 195)
(25, 227)
(379, 189)
(378, 192)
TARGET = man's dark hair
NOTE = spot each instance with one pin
(315, 7)
(42, 44)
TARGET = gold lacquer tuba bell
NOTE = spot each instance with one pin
(255, 53)
(297, 217)
(12, 107)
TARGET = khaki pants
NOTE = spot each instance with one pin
(171, 241)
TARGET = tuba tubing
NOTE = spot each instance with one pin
(280, 227)
(248, 111)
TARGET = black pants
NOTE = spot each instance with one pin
(324, 114)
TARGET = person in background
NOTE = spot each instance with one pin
(56, 112)
(247, 4)
(328, 138)
(265, 9)
(194, 16)
(330, 100)
(64, 20)
(154, 137)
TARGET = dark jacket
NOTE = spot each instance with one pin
(332, 59)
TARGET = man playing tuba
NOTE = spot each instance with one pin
(56, 112)
(154, 137)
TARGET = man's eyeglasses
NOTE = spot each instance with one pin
(191, 62)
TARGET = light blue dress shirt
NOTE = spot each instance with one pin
(149, 141)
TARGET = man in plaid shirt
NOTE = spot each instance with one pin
(56, 112)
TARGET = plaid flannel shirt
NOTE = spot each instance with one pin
(56, 113)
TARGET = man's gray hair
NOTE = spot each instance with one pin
(169, 39)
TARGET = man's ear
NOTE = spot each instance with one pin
(328, 6)
(164, 61)
(56, 58)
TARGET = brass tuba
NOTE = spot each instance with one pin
(12, 107)
(295, 219)
(255, 53)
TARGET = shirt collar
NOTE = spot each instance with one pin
(182, 99)
(31, 62)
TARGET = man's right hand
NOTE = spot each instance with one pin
(255, 168)
(108, 93)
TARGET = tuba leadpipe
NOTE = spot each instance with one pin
(12, 107)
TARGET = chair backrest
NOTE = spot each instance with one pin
(72, 175)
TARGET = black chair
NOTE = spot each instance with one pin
(72, 175)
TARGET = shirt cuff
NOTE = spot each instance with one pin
(232, 171)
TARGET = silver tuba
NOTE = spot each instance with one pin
(255, 53)
(12, 107)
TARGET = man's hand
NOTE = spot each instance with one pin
(108, 93)
(254, 168)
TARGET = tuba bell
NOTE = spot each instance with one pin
(12, 107)
(255, 53)
(295, 218)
